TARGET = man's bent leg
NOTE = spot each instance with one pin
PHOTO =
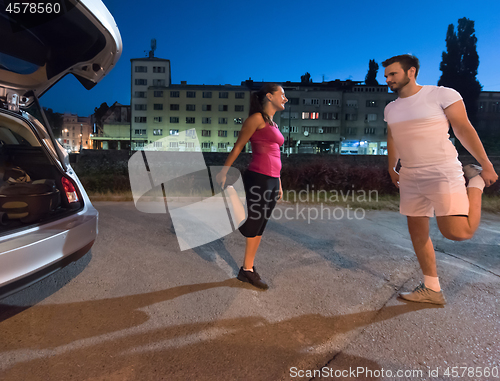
(459, 228)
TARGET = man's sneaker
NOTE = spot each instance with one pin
(253, 278)
(472, 170)
(422, 294)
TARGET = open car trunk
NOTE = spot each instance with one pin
(34, 188)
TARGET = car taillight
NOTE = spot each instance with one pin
(70, 190)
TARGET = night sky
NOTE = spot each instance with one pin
(226, 42)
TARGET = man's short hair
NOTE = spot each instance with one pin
(406, 61)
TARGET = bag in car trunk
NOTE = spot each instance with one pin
(28, 201)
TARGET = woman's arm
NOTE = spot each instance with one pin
(251, 124)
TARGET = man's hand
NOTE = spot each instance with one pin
(489, 175)
(394, 177)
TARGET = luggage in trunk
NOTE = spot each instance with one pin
(28, 201)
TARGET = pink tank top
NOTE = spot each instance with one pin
(266, 157)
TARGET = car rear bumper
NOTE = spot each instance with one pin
(30, 255)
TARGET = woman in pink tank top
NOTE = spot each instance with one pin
(262, 178)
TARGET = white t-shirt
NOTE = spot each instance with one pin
(419, 126)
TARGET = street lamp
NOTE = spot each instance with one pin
(81, 136)
(289, 128)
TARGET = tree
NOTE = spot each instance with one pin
(460, 62)
(306, 78)
(55, 120)
(371, 76)
(99, 113)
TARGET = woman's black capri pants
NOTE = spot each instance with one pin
(262, 193)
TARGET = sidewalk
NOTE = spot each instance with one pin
(139, 309)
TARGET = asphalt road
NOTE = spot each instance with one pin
(137, 308)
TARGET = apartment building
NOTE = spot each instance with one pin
(216, 112)
(337, 117)
(145, 73)
(76, 132)
(488, 114)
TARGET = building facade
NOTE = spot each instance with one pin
(215, 112)
(146, 72)
(76, 132)
(115, 129)
(337, 117)
(488, 114)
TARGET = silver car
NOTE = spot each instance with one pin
(46, 218)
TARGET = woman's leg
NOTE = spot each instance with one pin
(250, 250)
(260, 202)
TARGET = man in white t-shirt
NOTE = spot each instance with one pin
(431, 180)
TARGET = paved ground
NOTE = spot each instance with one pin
(137, 308)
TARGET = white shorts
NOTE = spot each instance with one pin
(437, 189)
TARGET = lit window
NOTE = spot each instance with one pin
(310, 115)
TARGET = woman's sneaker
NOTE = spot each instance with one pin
(253, 278)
